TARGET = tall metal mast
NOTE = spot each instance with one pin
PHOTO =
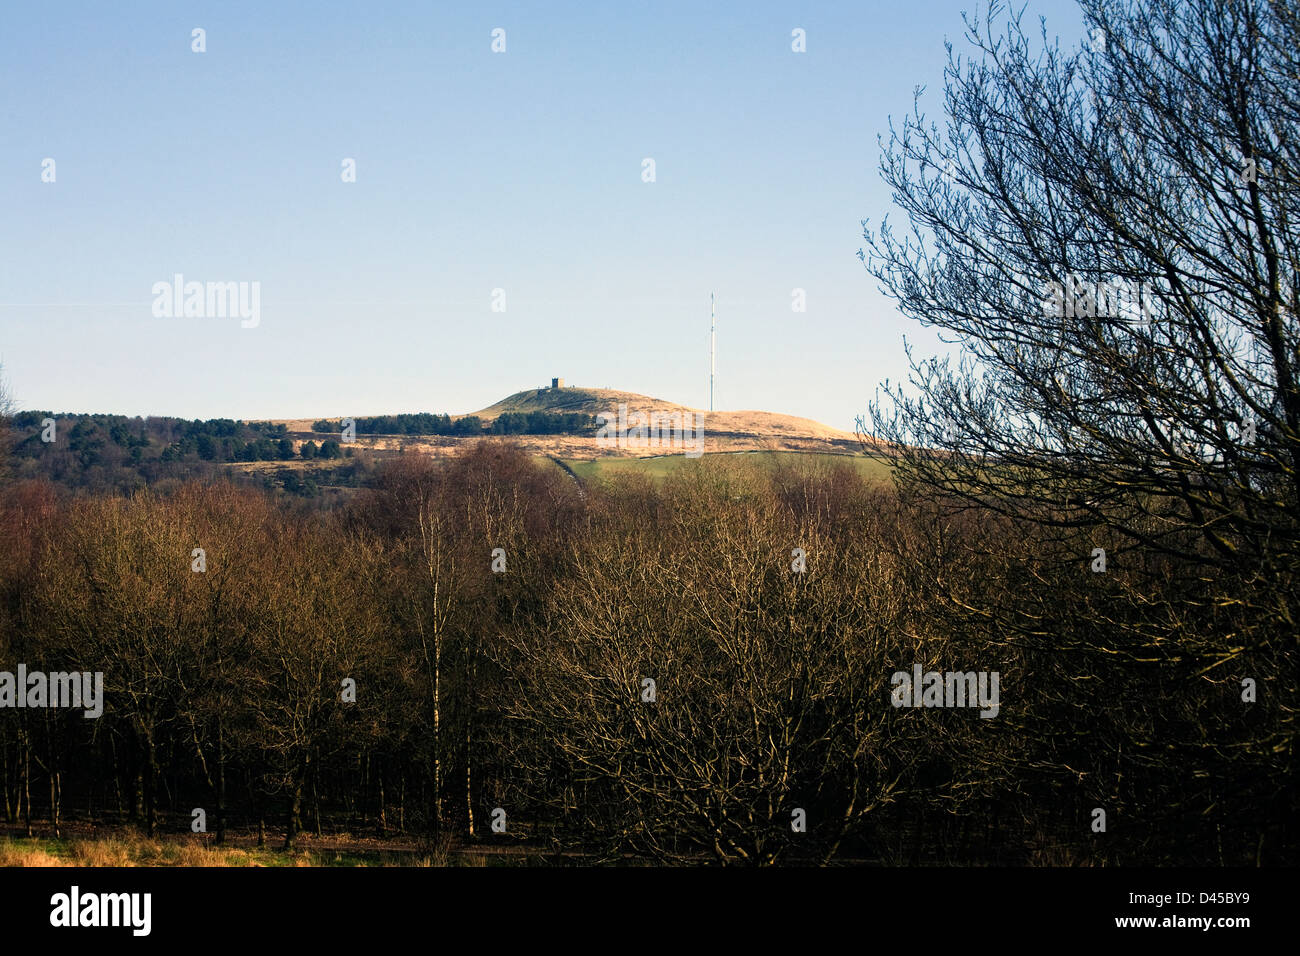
(713, 343)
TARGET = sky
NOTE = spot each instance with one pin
(521, 171)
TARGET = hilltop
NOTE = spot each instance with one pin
(593, 401)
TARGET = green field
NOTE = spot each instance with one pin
(663, 465)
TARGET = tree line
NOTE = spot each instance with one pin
(507, 423)
(474, 636)
(116, 453)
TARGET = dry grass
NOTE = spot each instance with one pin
(110, 851)
(13, 853)
(118, 850)
(128, 849)
(1055, 854)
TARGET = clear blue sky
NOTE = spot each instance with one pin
(475, 171)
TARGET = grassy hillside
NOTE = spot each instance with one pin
(593, 401)
(755, 430)
(659, 466)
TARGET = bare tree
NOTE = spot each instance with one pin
(6, 411)
(695, 696)
(1160, 161)
(1108, 236)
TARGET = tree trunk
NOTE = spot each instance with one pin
(151, 784)
(221, 781)
(9, 804)
(469, 744)
(117, 775)
(315, 799)
(291, 829)
(55, 798)
(27, 787)
(469, 765)
(437, 736)
(295, 807)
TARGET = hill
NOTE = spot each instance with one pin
(730, 431)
